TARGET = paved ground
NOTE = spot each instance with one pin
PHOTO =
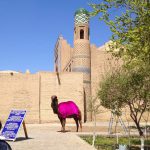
(48, 137)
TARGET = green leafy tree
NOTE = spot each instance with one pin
(130, 29)
(123, 88)
(130, 41)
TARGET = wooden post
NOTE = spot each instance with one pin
(25, 130)
(57, 73)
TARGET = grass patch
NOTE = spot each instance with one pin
(110, 143)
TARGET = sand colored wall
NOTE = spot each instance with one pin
(66, 53)
(19, 91)
(70, 88)
(101, 64)
(32, 92)
(98, 67)
(62, 54)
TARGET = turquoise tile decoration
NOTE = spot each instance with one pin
(81, 16)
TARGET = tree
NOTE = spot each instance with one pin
(127, 88)
(130, 41)
(130, 29)
(93, 107)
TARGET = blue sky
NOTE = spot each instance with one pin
(29, 30)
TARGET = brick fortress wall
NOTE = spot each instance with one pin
(32, 92)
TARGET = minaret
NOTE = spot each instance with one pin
(82, 54)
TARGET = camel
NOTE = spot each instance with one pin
(66, 110)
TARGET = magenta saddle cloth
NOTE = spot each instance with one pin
(66, 109)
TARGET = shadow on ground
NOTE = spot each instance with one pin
(22, 139)
(64, 131)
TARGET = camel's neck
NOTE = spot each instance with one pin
(54, 106)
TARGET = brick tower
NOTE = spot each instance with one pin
(82, 54)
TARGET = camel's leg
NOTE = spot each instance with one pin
(80, 119)
(63, 124)
(76, 120)
(80, 122)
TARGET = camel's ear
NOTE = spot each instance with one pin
(53, 97)
(54, 100)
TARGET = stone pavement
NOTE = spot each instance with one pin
(48, 137)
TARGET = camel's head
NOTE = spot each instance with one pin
(54, 104)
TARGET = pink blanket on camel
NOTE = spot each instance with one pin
(67, 109)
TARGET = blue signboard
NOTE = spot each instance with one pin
(13, 124)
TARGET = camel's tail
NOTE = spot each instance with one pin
(80, 120)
